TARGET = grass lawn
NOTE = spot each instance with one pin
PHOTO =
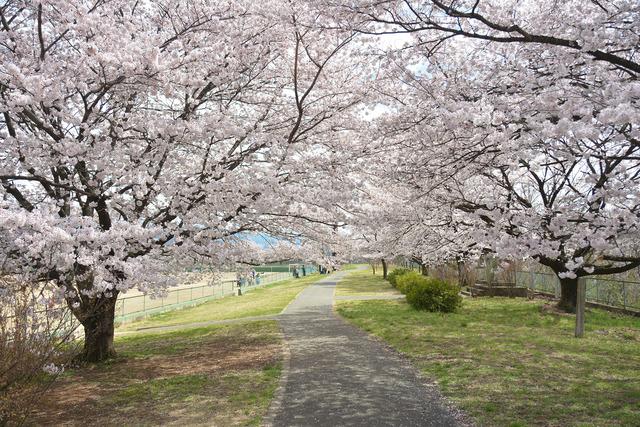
(509, 362)
(348, 267)
(363, 282)
(270, 299)
(219, 375)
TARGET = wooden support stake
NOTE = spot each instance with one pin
(580, 303)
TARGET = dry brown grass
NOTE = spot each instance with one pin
(220, 375)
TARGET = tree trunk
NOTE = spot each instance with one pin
(384, 269)
(373, 267)
(424, 270)
(462, 274)
(568, 295)
(98, 320)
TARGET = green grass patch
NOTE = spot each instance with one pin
(363, 282)
(148, 344)
(270, 299)
(179, 387)
(508, 362)
(350, 267)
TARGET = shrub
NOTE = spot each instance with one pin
(408, 279)
(395, 274)
(433, 295)
(36, 341)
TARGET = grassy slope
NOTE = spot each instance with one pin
(506, 362)
(219, 375)
(270, 299)
(363, 282)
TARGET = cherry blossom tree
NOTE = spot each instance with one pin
(521, 116)
(135, 134)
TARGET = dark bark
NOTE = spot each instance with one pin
(373, 267)
(424, 270)
(97, 316)
(463, 279)
(568, 295)
(384, 269)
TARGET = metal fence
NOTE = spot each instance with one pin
(616, 293)
(136, 307)
(279, 268)
(54, 322)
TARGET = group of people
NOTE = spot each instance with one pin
(325, 270)
(252, 278)
(247, 278)
(296, 272)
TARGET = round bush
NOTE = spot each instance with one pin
(408, 280)
(433, 295)
(393, 276)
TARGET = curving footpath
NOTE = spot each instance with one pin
(336, 375)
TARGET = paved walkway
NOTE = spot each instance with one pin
(337, 376)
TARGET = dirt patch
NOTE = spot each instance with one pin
(629, 334)
(126, 389)
(552, 308)
(206, 358)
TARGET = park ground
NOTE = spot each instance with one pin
(512, 362)
(505, 362)
(215, 375)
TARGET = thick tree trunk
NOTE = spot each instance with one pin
(384, 269)
(568, 295)
(98, 321)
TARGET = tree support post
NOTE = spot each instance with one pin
(580, 304)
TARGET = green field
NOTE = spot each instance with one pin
(511, 362)
(348, 267)
(270, 299)
(364, 283)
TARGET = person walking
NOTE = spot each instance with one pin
(239, 283)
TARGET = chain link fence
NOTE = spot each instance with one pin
(136, 307)
(602, 290)
(608, 291)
